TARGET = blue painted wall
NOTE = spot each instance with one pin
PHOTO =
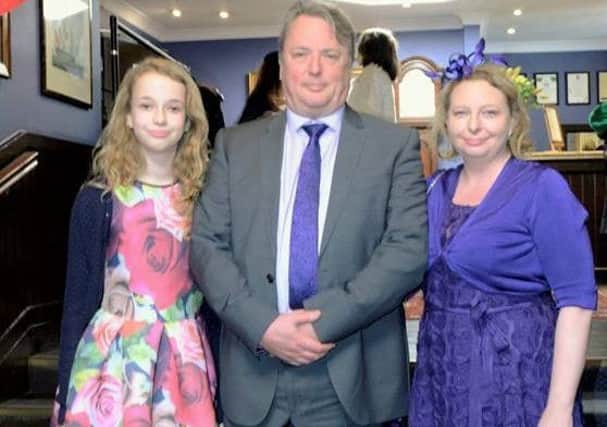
(21, 104)
(225, 63)
(562, 62)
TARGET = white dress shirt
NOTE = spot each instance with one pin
(294, 145)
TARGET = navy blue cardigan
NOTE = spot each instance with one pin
(89, 234)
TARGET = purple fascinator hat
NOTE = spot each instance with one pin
(461, 65)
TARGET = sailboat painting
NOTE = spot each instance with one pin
(66, 61)
(69, 51)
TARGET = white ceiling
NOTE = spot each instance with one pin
(546, 25)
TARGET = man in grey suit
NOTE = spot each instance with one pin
(309, 232)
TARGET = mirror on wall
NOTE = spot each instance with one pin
(414, 84)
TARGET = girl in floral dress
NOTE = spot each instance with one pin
(133, 347)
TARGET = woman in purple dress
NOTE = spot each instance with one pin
(510, 289)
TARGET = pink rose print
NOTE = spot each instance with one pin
(156, 260)
(191, 383)
(76, 420)
(187, 341)
(101, 399)
(105, 331)
(137, 416)
(168, 218)
(197, 407)
(210, 363)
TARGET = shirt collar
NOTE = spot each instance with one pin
(333, 120)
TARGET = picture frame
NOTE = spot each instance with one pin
(553, 127)
(416, 93)
(251, 81)
(66, 58)
(577, 84)
(601, 86)
(548, 84)
(5, 46)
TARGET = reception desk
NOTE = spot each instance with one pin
(585, 172)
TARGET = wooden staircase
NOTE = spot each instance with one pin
(34, 407)
(39, 178)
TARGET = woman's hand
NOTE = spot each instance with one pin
(557, 417)
(570, 344)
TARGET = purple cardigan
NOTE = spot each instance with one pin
(527, 236)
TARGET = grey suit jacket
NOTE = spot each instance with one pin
(373, 252)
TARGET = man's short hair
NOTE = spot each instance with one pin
(335, 17)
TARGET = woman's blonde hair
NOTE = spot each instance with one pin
(495, 75)
(117, 160)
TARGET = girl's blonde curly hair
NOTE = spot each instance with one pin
(117, 160)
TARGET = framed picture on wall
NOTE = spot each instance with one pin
(251, 81)
(66, 51)
(553, 127)
(578, 88)
(601, 84)
(548, 84)
(416, 92)
(5, 46)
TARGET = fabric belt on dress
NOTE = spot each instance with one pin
(488, 332)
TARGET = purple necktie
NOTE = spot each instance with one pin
(303, 256)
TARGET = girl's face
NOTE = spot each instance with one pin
(479, 121)
(157, 115)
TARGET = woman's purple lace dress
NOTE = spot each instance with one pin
(483, 359)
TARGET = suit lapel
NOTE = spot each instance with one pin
(351, 142)
(270, 153)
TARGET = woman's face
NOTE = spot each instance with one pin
(479, 121)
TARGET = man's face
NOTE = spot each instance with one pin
(314, 68)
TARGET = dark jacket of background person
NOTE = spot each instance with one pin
(211, 100)
(263, 98)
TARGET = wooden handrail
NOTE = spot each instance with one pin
(17, 169)
(12, 137)
(32, 316)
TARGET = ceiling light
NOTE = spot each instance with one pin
(224, 14)
(511, 30)
(403, 3)
(517, 12)
(176, 13)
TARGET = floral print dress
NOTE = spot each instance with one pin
(144, 359)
